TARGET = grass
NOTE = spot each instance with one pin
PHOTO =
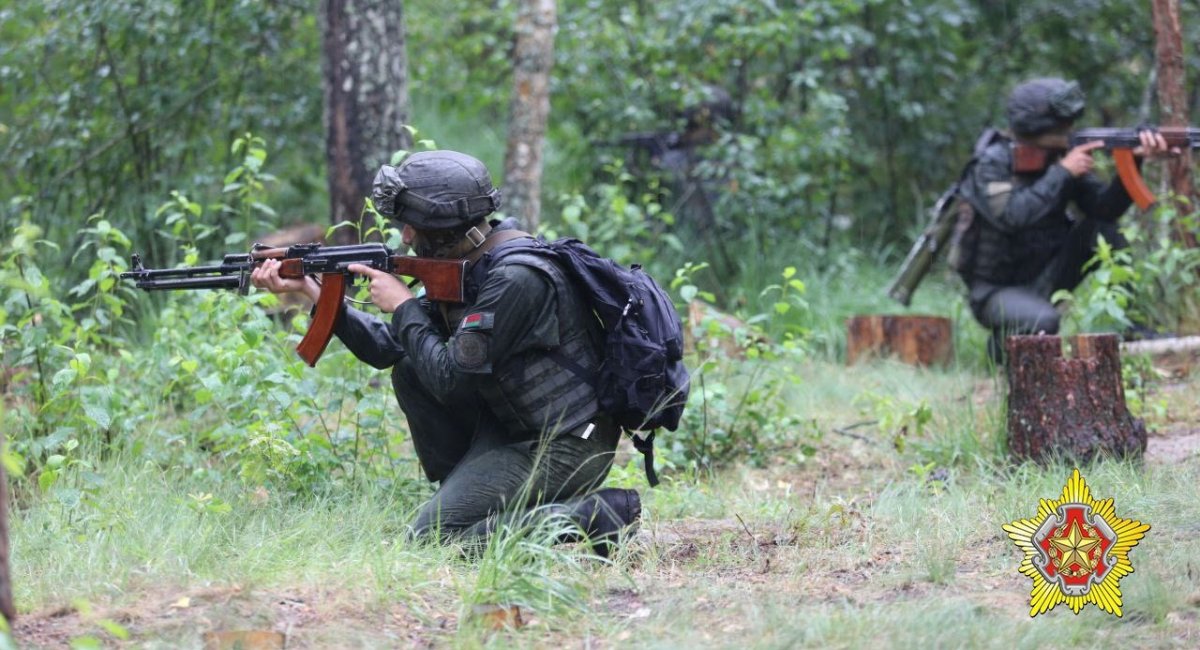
(851, 547)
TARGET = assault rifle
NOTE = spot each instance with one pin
(442, 279)
(1028, 158)
(654, 143)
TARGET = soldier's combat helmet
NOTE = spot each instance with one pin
(1040, 105)
(435, 190)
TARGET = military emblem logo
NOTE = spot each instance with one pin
(1076, 550)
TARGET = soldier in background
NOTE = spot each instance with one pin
(1033, 234)
(677, 158)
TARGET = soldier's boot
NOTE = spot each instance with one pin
(604, 518)
(607, 517)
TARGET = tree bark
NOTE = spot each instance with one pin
(529, 110)
(7, 608)
(916, 340)
(1173, 100)
(1069, 408)
(365, 66)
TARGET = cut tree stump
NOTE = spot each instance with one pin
(1069, 408)
(917, 340)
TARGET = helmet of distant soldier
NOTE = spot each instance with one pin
(435, 190)
(1040, 105)
(712, 105)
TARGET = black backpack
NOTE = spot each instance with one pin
(642, 382)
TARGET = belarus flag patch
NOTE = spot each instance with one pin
(478, 321)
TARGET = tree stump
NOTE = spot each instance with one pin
(1070, 408)
(917, 340)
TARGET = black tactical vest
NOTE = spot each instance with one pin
(541, 390)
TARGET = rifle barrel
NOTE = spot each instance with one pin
(207, 282)
(182, 272)
(1121, 138)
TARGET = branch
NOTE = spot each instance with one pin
(145, 126)
(1162, 346)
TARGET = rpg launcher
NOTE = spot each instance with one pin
(442, 279)
(1028, 158)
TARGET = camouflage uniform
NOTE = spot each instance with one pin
(1030, 242)
(491, 389)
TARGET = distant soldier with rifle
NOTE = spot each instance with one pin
(1016, 237)
(500, 412)
(677, 155)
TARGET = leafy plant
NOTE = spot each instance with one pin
(1150, 284)
(737, 407)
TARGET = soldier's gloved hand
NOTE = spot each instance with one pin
(387, 291)
(1079, 161)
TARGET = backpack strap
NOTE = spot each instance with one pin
(646, 446)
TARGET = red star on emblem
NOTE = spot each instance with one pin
(1074, 546)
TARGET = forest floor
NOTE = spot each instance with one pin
(864, 543)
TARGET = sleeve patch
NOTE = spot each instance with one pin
(470, 352)
(481, 321)
(995, 188)
(998, 194)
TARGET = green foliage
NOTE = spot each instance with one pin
(1108, 292)
(520, 565)
(737, 408)
(105, 106)
(218, 377)
(626, 229)
(1151, 283)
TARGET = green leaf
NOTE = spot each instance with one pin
(114, 629)
(86, 642)
(64, 377)
(14, 463)
(97, 414)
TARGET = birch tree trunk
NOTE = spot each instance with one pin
(529, 110)
(1172, 98)
(365, 67)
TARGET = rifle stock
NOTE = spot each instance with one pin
(443, 279)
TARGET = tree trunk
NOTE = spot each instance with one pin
(366, 99)
(1070, 408)
(1172, 98)
(7, 608)
(916, 340)
(529, 110)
